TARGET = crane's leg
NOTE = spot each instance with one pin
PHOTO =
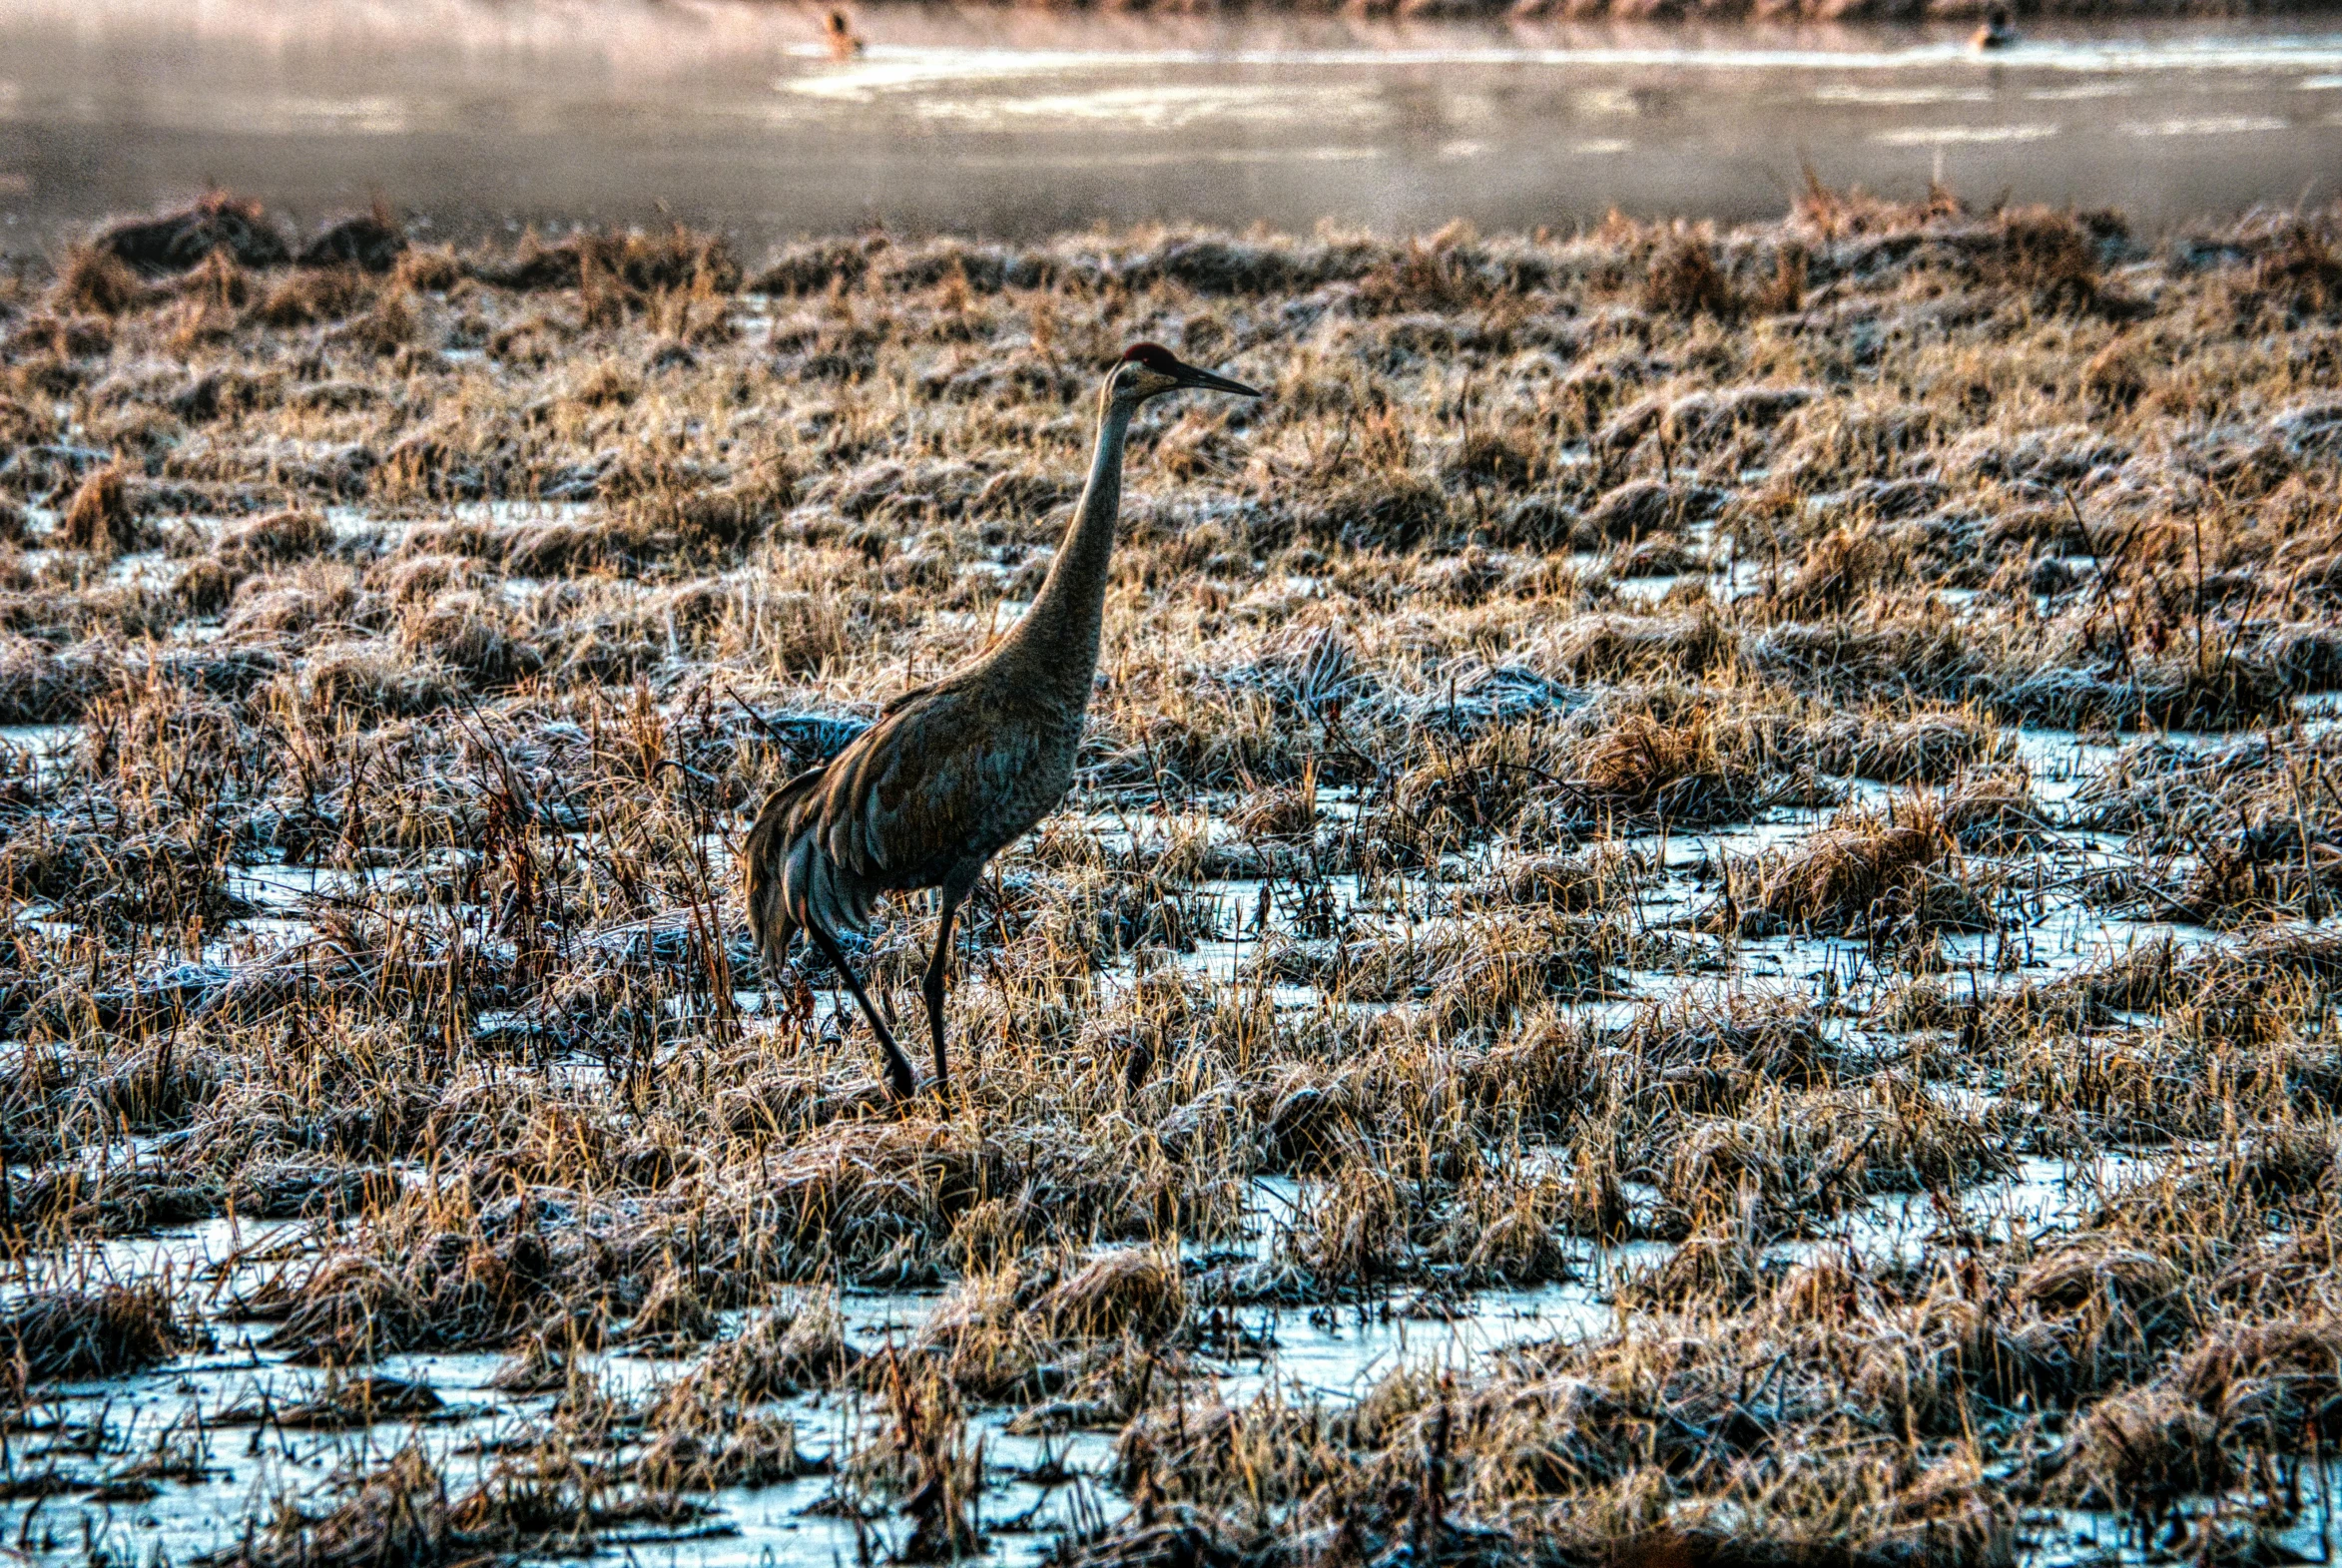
(954, 894)
(899, 1073)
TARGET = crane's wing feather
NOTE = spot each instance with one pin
(927, 783)
(903, 699)
(945, 776)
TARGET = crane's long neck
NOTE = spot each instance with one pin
(1057, 639)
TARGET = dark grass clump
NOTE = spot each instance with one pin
(403, 1512)
(1898, 868)
(275, 540)
(1685, 280)
(73, 1335)
(616, 272)
(98, 518)
(179, 241)
(371, 240)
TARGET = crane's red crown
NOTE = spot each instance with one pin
(1153, 355)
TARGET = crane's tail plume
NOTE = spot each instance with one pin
(794, 885)
(773, 916)
(794, 882)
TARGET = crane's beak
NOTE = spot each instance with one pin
(1205, 381)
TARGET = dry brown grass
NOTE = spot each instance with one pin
(1877, 870)
(1685, 280)
(1532, 861)
(53, 1336)
(96, 282)
(99, 519)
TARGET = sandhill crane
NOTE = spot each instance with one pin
(840, 35)
(954, 773)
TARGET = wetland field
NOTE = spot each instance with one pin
(1696, 926)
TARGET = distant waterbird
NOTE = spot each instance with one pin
(1998, 32)
(837, 32)
(954, 773)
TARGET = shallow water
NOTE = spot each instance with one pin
(36, 751)
(1014, 121)
(1329, 1354)
(2045, 934)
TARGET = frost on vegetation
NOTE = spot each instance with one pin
(1697, 921)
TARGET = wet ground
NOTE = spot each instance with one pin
(1017, 123)
(1656, 802)
(209, 1425)
(209, 1421)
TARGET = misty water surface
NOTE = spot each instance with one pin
(1013, 121)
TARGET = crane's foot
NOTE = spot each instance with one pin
(898, 1076)
(902, 1082)
(901, 1085)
